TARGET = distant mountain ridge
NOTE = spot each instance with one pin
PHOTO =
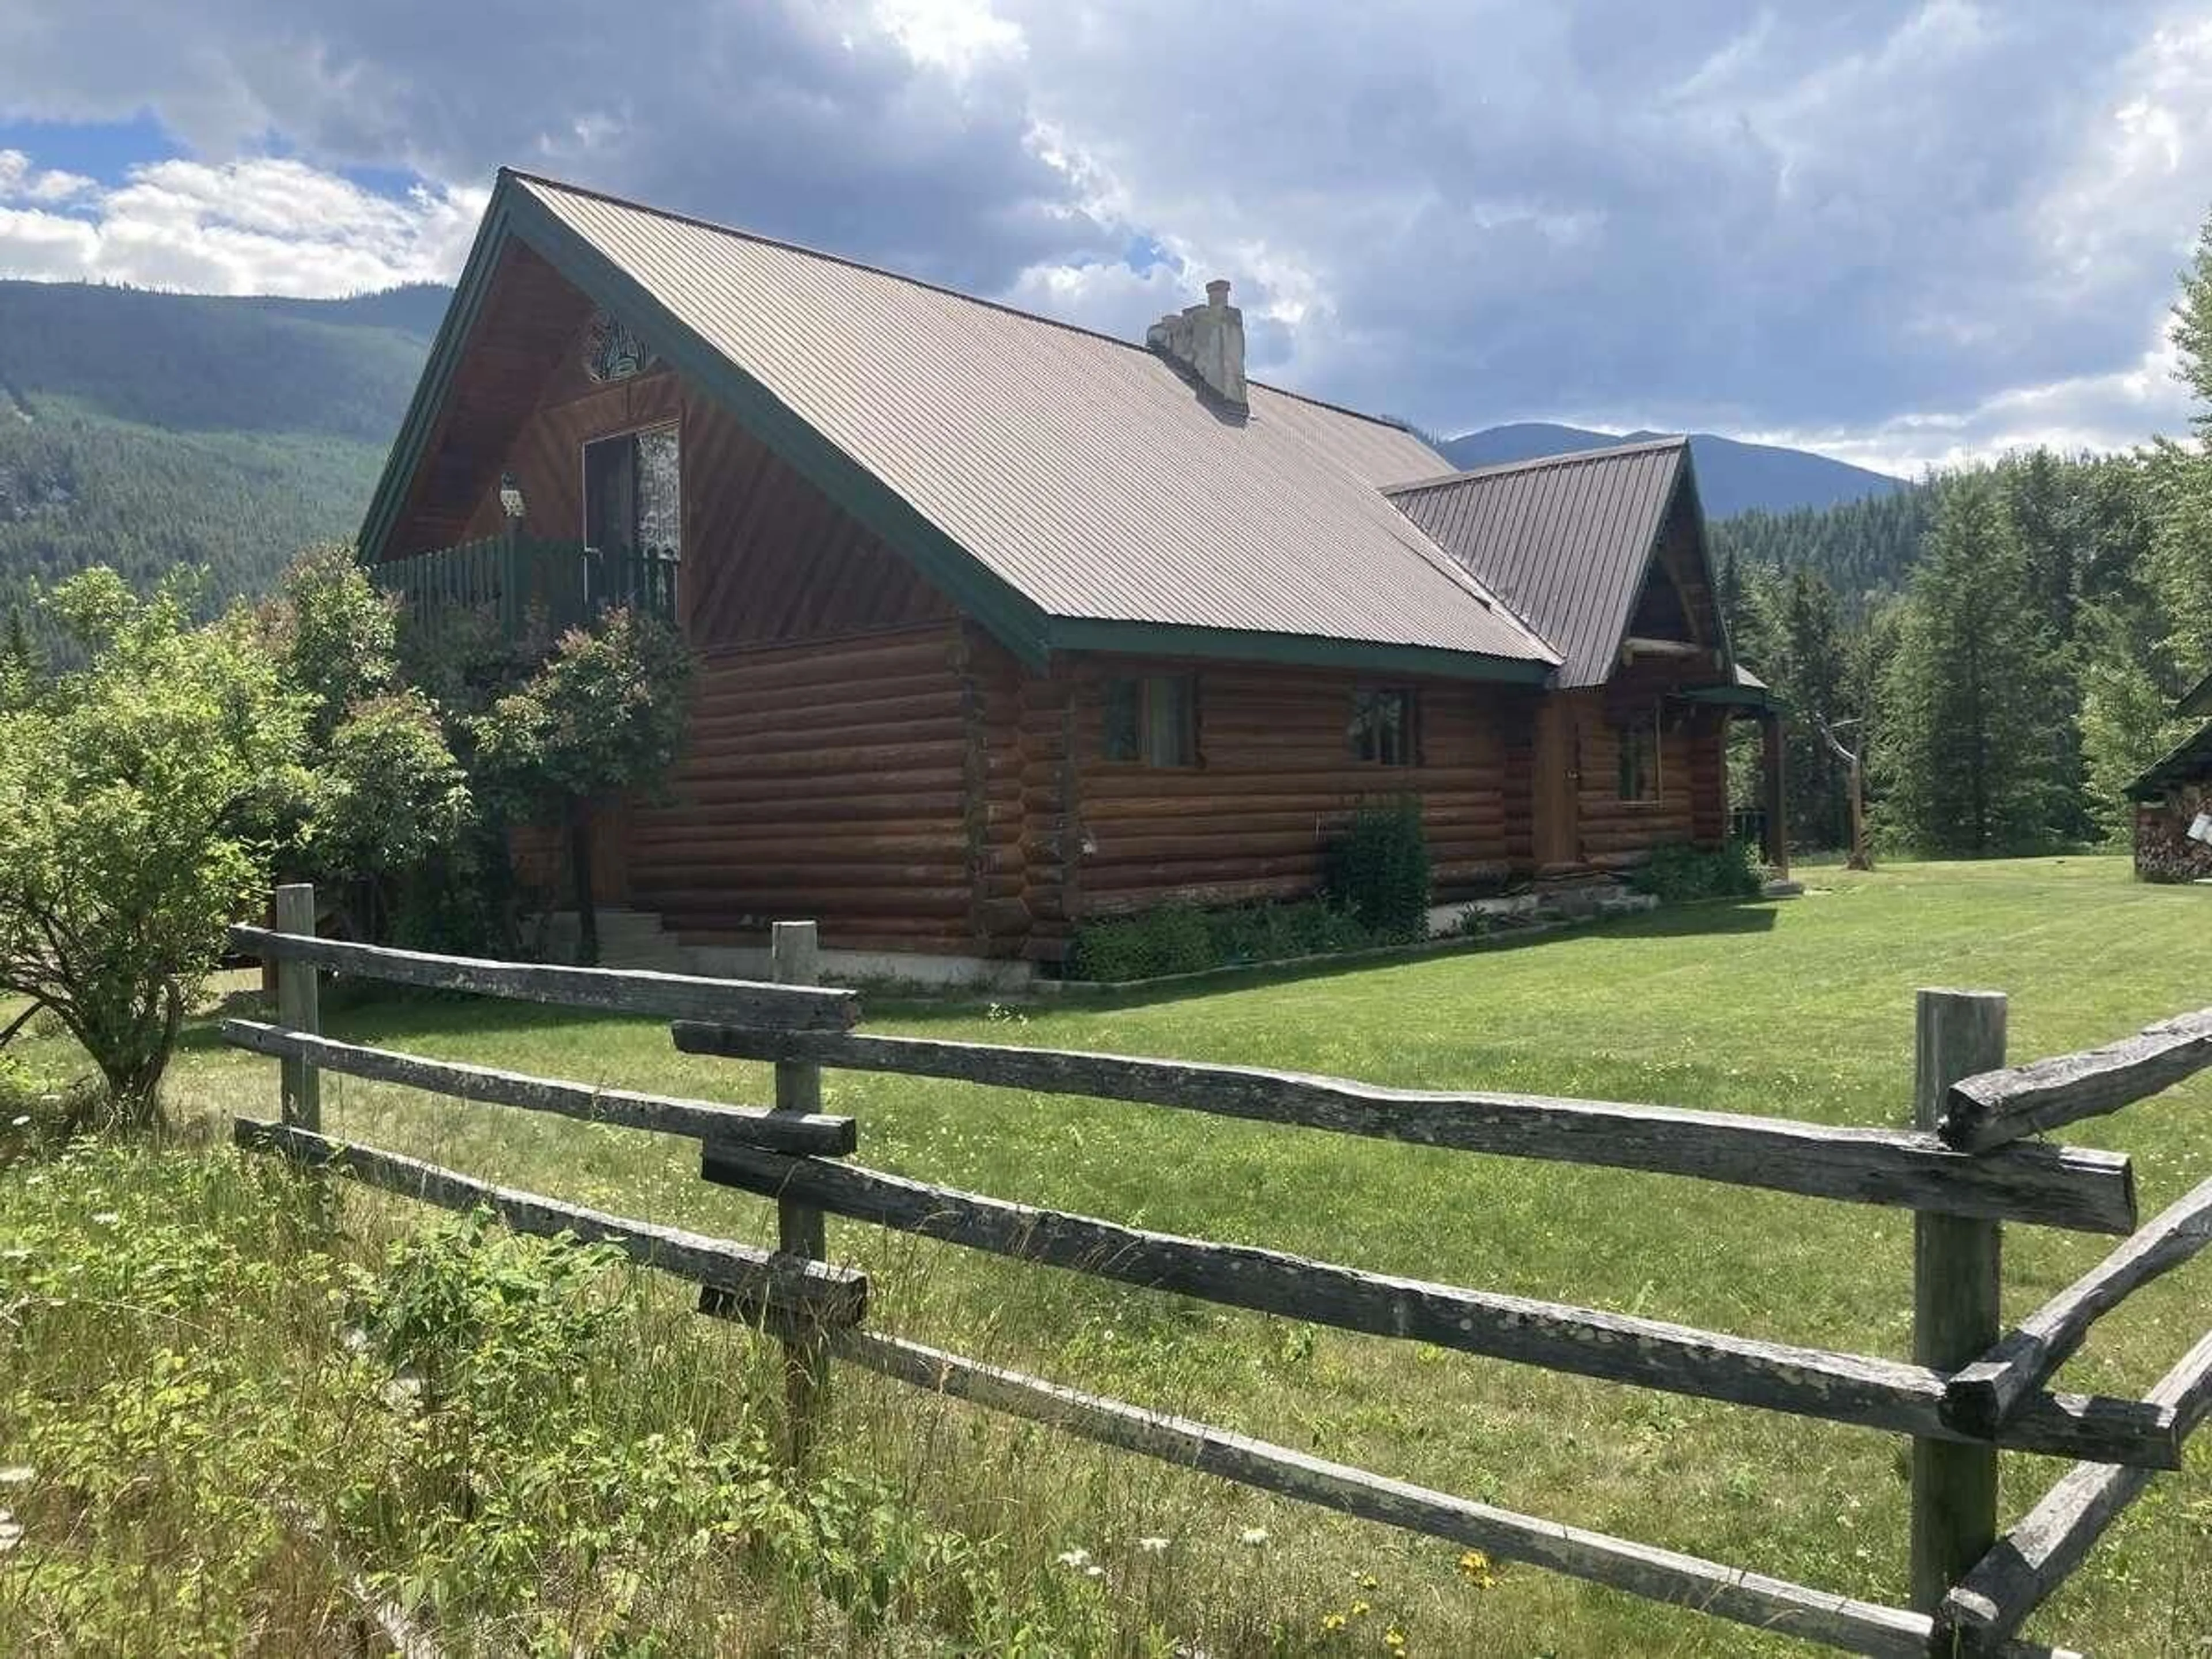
(1732, 477)
(146, 430)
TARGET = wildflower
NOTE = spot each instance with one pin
(1078, 1558)
(1474, 1567)
(1360, 1609)
(1153, 1546)
(1253, 1538)
(1395, 1639)
(1332, 1622)
(1367, 1581)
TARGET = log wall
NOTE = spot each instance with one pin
(827, 770)
(1275, 780)
(825, 780)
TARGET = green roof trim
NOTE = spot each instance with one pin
(407, 449)
(1689, 482)
(1734, 697)
(1252, 644)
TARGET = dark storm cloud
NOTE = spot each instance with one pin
(1933, 216)
(801, 120)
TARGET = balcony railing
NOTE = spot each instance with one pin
(528, 582)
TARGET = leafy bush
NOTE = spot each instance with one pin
(136, 792)
(1378, 869)
(605, 715)
(1174, 939)
(1182, 938)
(1678, 871)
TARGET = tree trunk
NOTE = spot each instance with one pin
(580, 873)
(134, 1069)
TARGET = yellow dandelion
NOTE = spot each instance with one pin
(1369, 1581)
(1395, 1639)
(1332, 1622)
(1360, 1609)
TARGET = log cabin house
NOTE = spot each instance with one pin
(1003, 624)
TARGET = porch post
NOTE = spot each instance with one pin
(1777, 850)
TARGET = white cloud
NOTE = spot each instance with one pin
(261, 225)
(958, 35)
(22, 182)
(2113, 410)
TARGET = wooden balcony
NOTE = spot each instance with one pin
(533, 585)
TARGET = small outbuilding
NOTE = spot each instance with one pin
(2173, 801)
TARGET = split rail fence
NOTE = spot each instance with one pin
(1971, 1389)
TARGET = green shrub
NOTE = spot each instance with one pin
(1182, 938)
(1174, 939)
(1678, 871)
(1378, 869)
(136, 793)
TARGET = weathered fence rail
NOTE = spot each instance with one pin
(1971, 1389)
(2056, 1186)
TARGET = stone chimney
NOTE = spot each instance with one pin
(1206, 341)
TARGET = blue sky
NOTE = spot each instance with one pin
(1903, 231)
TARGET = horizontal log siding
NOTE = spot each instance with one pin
(821, 780)
(1692, 801)
(1275, 781)
(825, 773)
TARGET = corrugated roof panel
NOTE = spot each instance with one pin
(1086, 472)
(1564, 541)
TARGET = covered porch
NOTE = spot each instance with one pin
(1748, 697)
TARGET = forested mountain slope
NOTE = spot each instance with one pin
(145, 430)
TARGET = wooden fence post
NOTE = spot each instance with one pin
(1956, 1318)
(297, 1007)
(796, 954)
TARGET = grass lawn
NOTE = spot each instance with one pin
(1798, 1008)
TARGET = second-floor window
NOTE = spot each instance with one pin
(1382, 726)
(1152, 719)
(634, 493)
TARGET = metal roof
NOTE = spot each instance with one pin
(1564, 540)
(1084, 472)
(2189, 762)
(2197, 699)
